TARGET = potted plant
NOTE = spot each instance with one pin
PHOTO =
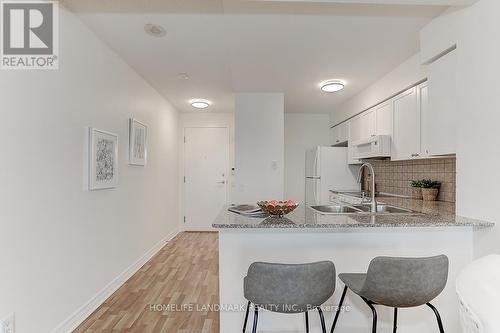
(430, 189)
(416, 189)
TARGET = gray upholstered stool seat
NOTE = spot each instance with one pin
(289, 288)
(398, 283)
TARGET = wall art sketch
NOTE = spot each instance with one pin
(138, 135)
(103, 159)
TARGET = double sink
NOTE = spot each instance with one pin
(346, 209)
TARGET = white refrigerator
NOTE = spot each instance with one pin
(327, 169)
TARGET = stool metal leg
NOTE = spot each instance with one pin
(438, 317)
(307, 322)
(338, 309)
(322, 318)
(246, 317)
(395, 320)
(255, 319)
(374, 311)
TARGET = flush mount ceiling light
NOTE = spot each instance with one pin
(332, 86)
(155, 30)
(200, 103)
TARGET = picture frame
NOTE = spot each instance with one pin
(103, 159)
(138, 142)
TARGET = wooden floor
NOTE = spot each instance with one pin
(185, 271)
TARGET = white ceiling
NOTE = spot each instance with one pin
(229, 46)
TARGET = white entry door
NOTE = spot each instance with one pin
(206, 160)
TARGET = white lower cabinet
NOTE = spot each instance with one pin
(406, 125)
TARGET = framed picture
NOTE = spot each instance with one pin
(138, 136)
(103, 159)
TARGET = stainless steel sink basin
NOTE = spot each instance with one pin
(341, 209)
(335, 209)
(384, 209)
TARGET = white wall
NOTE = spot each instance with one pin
(259, 147)
(204, 119)
(440, 34)
(405, 75)
(478, 118)
(478, 154)
(61, 244)
(302, 131)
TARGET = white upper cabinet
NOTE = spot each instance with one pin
(355, 133)
(439, 117)
(421, 120)
(423, 91)
(384, 118)
(344, 132)
(406, 125)
(340, 134)
(363, 126)
(375, 121)
(356, 128)
(334, 135)
(369, 123)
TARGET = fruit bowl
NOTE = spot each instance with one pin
(277, 208)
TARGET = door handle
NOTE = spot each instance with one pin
(222, 182)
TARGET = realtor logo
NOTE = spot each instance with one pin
(29, 35)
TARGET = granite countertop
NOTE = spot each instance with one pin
(427, 214)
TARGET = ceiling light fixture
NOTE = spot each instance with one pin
(155, 30)
(332, 86)
(200, 103)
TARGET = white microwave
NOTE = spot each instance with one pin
(377, 146)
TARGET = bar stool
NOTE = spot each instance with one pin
(398, 283)
(287, 288)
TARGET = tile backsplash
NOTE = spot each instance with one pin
(394, 177)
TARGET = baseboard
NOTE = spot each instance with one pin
(88, 308)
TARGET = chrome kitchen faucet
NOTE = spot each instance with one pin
(373, 202)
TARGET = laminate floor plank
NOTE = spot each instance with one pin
(184, 272)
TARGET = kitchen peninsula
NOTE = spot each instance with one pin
(350, 241)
